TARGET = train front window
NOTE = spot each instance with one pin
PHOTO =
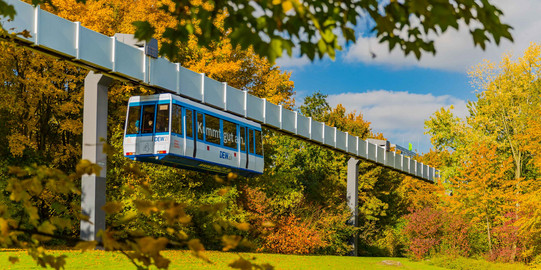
(162, 118)
(134, 113)
(176, 119)
(230, 134)
(148, 119)
(242, 139)
(200, 126)
(212, 129)
(251, 141)
(258, 143)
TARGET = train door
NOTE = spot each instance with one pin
(258, 145)
(145, 140)
(162, 129)
(244, 161)
(229, 155)
(189, 139)
(177, 130)
(251, 148)
(200, 148)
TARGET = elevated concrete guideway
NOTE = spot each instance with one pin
(110, 58)
(56, 36)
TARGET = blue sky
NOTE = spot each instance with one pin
(397, 93)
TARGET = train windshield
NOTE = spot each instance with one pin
(162, 118)
(133, 124)
(148, 119)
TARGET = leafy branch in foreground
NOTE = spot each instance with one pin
(315, 27)
(28, 229)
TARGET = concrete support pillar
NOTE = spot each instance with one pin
(94, 136)
(353, 200)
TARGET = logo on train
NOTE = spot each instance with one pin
(225, 155)
(160, 139)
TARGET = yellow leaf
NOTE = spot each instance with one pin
(197, 249)
(86, 167)
(232, 176)
(46, 227)
(195, 245)
(230, 241)
(13, 260)
(218, 179)
(267, 224)
(151, 246)
(182, 235)
(243, 226)
(146, 207)
(61, 223)
(112, 207)
(223, 191)
(128, 217)
(241, 263)
(161, 262)
(86, 245)
(287, 6)
(4, 227)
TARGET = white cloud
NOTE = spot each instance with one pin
(455, 50)
(400, 116)
(287, 62)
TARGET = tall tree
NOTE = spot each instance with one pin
(503, 118)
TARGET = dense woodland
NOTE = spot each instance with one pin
(486, 204)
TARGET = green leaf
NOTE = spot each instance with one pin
(143, 30)
(7, 10)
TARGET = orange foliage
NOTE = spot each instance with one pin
(293, 236)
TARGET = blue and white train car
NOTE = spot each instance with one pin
(174, 131)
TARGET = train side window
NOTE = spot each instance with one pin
(258, 143)
(251, 140)
(134, 114)
(200, 126)
(189, 123)
(230, 134)
(212, 129)
(148, 119)
(162, 118)
(176, 121)
(243, 139)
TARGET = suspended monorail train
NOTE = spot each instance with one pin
(174, 131)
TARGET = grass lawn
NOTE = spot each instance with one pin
(184, 260)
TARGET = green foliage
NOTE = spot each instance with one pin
(279, 26)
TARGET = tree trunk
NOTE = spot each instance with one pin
(489, 237)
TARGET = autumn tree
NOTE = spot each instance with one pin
(498, 133)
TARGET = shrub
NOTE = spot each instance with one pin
(507, 245)
(424, 231)
(292, 236)
(431, 230)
